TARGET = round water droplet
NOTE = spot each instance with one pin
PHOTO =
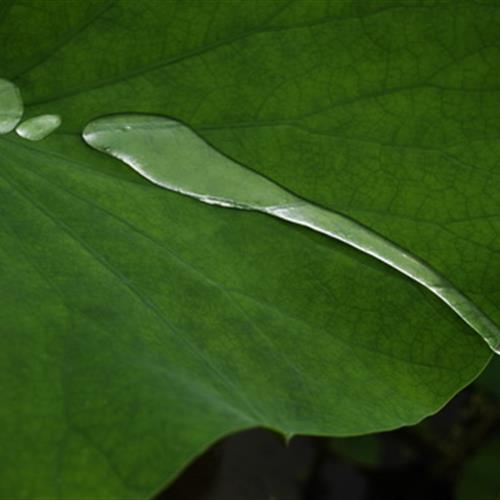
(11, 106)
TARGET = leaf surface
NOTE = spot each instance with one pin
(139, 326)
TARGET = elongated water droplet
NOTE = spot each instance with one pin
(173, 156)
(11, 106)
(39, 127)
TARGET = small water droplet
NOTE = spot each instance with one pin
(39, 127)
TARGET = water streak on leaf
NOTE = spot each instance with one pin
(171, 155)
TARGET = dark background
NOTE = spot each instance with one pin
(447, 456)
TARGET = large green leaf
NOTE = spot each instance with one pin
(138, 326)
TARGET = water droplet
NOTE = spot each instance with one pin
(11, 106)
(39, 127)
(171, 155)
